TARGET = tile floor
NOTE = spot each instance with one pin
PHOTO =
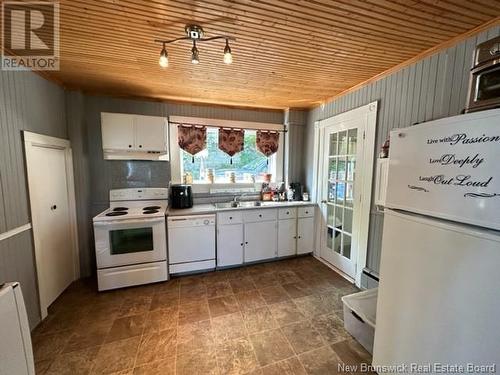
(283, 317)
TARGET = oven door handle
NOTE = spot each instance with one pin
(129, 221)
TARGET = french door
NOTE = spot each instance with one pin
(344, 187)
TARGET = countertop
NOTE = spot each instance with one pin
(200, 209)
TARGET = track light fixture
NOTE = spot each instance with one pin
(195, 34)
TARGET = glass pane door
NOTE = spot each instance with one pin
(342, 149)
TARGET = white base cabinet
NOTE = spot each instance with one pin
(230, 245)
(260, 241)
(245, 236)
(287, 237)
(305, 235)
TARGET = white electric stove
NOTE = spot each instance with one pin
(131, 238)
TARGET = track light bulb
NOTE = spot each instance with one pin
(195, 58)
(228, 57)
(163, 58)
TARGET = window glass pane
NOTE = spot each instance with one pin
(333, 144)
(351, 167)
(349, 194)
(340, 192)
(346, 246)
(332, 169)
(332, 189)
(337, 244)
(342, 143)
(352, 141)
(329, 238)
(248, 164)
(338, 217)
(330, 214)
(348, 220)
(124, 241)
(341, 170)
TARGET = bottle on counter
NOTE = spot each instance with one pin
(210, 176)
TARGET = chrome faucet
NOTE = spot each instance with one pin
(239, 197)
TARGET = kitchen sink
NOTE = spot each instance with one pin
(238, 204)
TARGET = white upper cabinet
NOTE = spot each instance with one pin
(134, 137)
(151, 133)
(118, 131)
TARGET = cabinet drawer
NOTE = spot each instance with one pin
(306, 211)
(252, 216)
(232, 217)
(287, 213)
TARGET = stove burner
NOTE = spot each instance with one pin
(116, 213)
(151, 208)
(148, 212)
(120, 209)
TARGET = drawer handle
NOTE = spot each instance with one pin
(288, 213)
(307, 212)
(230, 218)
(241, 244)
(300, 236)
(260, 215)
(246, 242)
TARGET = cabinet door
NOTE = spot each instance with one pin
(260, 241)
(305, 235)
(229, 245)
(117, 131)
(287, 237)
(151, 133)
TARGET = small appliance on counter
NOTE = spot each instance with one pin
(181, 196)
(297, 190)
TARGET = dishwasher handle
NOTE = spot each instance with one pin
(191, 221)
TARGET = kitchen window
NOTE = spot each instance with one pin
(249, 166)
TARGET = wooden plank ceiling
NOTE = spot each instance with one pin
(288, 53)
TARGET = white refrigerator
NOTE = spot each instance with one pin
(438, 307)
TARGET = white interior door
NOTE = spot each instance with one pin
(346, 163)
(53, 217)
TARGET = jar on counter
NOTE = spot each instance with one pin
(210, 176)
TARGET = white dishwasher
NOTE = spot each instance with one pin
(191, 243)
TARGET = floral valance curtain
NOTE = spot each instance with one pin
(231, 141)
(267, 141)
(192, 138)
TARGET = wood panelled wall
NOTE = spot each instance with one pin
(432, 88)
(95, 176)
(27, 102)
